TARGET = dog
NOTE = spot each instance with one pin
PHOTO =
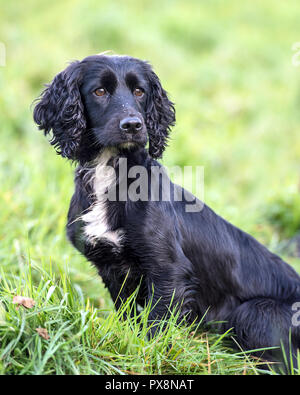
(107, 111)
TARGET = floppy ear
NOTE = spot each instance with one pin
(160, 116)
(60, 109)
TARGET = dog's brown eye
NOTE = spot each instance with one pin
(138, 92)
(100, 92)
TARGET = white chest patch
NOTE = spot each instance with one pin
(103, 179)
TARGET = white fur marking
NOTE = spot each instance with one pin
(96, 219)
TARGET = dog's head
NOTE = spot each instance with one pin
(105, 101)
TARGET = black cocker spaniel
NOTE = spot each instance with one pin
(111, 115)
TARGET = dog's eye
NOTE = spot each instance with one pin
(138, 92)
(100, 92)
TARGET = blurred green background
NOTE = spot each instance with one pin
(228, 67)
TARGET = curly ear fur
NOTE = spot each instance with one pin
(60, 109)
(160, 116)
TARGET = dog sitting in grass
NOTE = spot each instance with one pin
(108, 111)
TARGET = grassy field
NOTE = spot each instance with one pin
(228, 67)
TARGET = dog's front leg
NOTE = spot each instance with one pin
(163, 301)
(121, 288)
(169, 291)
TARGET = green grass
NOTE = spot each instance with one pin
(88, 340)
(228, 67)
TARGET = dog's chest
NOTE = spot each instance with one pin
(97, 224)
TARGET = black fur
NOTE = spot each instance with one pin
(201, 261)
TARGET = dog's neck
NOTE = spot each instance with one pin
(110, 157)
(100, 170)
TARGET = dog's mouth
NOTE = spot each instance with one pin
(133, 141)
(128, 145)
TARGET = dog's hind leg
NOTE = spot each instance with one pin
(261, 323)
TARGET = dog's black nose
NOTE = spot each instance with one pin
(131, 125)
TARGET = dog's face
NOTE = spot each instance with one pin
(114, 92)
(105, 101)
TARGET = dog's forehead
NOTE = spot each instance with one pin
(95, 65)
